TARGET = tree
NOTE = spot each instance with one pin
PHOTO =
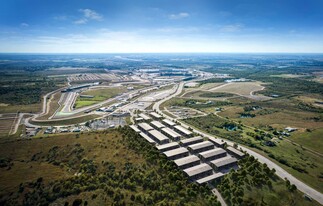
(77, 202)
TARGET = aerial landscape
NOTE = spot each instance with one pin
(161, 102)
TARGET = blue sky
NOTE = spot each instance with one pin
(106, 26)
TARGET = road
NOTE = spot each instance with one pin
(279, 171)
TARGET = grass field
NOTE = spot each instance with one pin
(32, 108)
(70, 121)
(312, 139)
(6, 124)
(240, 88)
(99, 95)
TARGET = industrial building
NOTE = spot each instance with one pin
(217, 142)
(190, 141)
(183, 131)
(169, 122)
(135, 128)
(145, 127)
(171, 134)
(139, 119)
(224, 163)
(168, 146)
(212, 154)
(144, 116)
(236, 153)
(147, 138)
(157, 125)
(214, 177)
(199, 171)
(201, 147)
(158, 137)
(156, 116)
(186, 162)
(177, 153)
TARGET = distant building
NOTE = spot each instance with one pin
(187, 162)
(190, 141)
(201, 147)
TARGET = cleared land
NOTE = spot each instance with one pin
(242, 88)
(99, 95)
(6, 124)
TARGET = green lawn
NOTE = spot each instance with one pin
(99, 95)
(312, 139)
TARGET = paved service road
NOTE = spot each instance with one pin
(279, 171)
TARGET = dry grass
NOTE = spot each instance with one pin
(240, 88)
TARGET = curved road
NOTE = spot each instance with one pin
(279, 171)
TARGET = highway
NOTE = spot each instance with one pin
(279, 171)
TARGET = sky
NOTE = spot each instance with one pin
(157, 26)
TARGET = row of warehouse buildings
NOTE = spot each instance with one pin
(201, 159)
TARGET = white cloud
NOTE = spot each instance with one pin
(231, 28)
(88, 15)
(91, 14)
(179, 15)
(24, 24)
(80, 21)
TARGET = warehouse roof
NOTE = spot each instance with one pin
(135, 128)
(186, 160)
(168, 122)
(158, 135)
(157, 124)
(198, 169)
(212, 152)
(154, 114)
(177, 151)
(201, 145)
(193, 139)
(216, 141)
(147, 138)
(144, 116)
(223, 161)
(210, 178)
(183, 130)
(168, 145)
(171, 132)
(145, 126)
(235, 151)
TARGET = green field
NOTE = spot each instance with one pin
(99, 96)
(70, 121)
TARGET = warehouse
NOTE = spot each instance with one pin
(214, 177)
(236, 153)
(157, 125)
(199, 171)
(190, 141)
(186, 162)
(224, 163)
(168, 146)
(155, 115)
(144, 127)
(201, 147)
(171, 134)
(135, 128)
(177, 153)
(183, 131)
(217, 142)
(147, 138)
(139, 119)
(144, 116)
(169, 123)
(158, 137)
(212, 154)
